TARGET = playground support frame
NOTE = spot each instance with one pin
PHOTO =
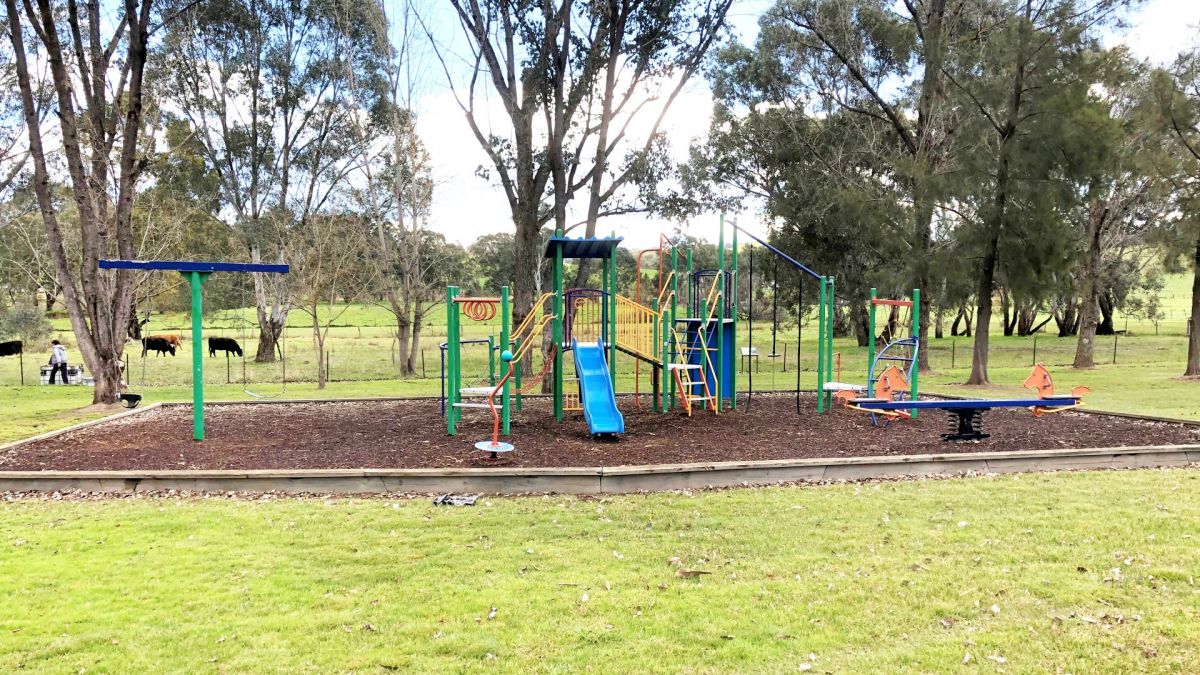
(825, 314)
(195, 273)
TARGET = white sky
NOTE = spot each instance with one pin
(466, 206)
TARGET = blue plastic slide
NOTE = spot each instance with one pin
(596, 390)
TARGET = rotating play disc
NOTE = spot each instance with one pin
(489, 446)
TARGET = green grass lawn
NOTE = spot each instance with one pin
(1077, 572)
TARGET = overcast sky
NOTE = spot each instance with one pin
(466, 206)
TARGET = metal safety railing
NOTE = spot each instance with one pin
(635, 329)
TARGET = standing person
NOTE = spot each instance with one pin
(58, 361)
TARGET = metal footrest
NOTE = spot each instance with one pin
(476, 391)
(473, 405)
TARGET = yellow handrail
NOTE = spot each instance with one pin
(533, 312)
(635, 328)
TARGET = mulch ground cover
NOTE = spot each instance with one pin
(412, 434)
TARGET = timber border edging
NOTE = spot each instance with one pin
(583, 480)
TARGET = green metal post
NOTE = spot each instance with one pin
(516, 347)
(196, 280)
(720, 314)
(557, 332)
(505, 329)
(452, 356)
(733, 348)
(916, 334)
(611, 299)
(670, 327)
(871, 343)
(820, 346)
(657, 345)
(491, 360)
(827, 374)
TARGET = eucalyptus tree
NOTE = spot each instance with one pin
(1027, 71)
(573, 79)
(263, 83)
(1178, 102)
(885, 63)
(96, 56)
(1122, 194)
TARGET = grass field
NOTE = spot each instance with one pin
(1090, 572)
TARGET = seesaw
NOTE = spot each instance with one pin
(965, 416)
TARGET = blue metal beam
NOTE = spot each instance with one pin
(978, 404)
(795, 263)
(191, 266)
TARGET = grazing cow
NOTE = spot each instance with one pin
(11, 348)
(175, 340)
(157, 344)
(220, 344)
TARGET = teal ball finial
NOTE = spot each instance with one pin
(506, 356)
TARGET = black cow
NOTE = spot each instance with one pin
(220, 344)
(157, 344)
(11, 348)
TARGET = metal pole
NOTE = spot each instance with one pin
(196, 280)
(915, 330)
(717, 367)
(452, 357)
(871, 345)
(733, 347)
(557, 332)
(611, 306)
(505, 328)
(491, 340)
(821, 318)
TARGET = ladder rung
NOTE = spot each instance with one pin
(476, 391)
(472, 405)
(684, 366)
(895, 358)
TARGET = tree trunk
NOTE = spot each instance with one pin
(1107, 305)
(939, 320)
(1026, 320)
(319, 341)
(1193, 357)
(1009, 321)
(1089, 292)
(414, 345)
(928, 138)
(271, 309)
(983, 313)
(858, 318)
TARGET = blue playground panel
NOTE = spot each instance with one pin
(596, 393)
(728, 358)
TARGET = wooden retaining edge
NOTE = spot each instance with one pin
(598, 480)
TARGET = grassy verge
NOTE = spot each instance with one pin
(1081, 572)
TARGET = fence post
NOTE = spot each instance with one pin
(422, 364)
(327, 364)
(21, 361)
(785, 357)
(953, 351)
(1034, 350)
(1114, 358)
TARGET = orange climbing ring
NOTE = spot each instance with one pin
(478, 309)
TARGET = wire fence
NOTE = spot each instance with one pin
(363, 353)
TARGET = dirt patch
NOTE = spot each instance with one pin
(411, 434)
